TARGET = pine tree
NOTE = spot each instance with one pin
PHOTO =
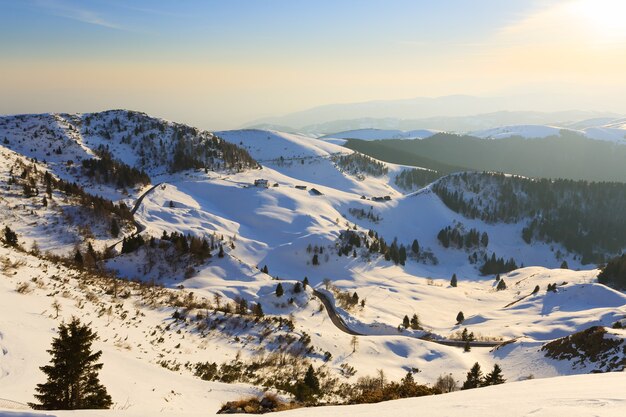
(279, 290)
(115, 228)
(415, 322)
(257, 310)
(265, 270)
(415, 247)
(564, 265)
(460, 317)
(305, 282)
(315, 260)
(220, 254)
(453, 281)
(406, 322)
(474, 378)
(501, 285)
(311, 380)
(297, 288)
(73, 382)
(10, 237)
(78, 258)
(494, 377)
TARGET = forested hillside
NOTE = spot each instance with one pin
(568, 155)
(587, 218)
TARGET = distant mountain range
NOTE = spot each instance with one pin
(451, 113)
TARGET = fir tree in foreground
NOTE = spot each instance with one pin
(73, 382)
(474, 377)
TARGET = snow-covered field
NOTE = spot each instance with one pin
(282, 226)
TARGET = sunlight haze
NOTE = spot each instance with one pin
(222, 64)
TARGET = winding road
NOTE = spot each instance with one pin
(138, 226)
(341, 325)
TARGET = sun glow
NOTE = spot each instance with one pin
(605, 17)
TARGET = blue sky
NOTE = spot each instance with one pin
(220, 63)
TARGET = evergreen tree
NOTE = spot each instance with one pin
(564, 265)
(406, 322)
(10, 237)
(297, 288)
(494, 377)
(501, 285)
(453, 281)
(536, 290)
(355, 298)
(474, 378)
(311, 380)
(78, 258)
(257, 310)
(315, 260)
(460, 317)
(115, 228)
(279, 290)
(73, 382)
(305, 282)
(415, 247)
(220, 254)
(415, 322)
(265, 270)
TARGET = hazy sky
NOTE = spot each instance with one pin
(218, 64)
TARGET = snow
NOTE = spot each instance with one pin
(378, 134)
(613, 131)
(274, 226)
(572, 396)
(525, 131)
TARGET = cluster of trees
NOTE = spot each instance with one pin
(351, 240)
(160, 143)
(100, 207)
(495, 265)
(412, 323)
(210, 154)
(586, 218)
(132, 243)
(199, 248)
(457, 238)
(105, 169)
(614, 273)
(362, 214)
(475, 378)
(357, 163)
(32, 179)
(410, 179)
(376, 389)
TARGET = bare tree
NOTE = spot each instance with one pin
(57, 308)
(446, 383)
(354, 343)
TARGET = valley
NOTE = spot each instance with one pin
(185, 296)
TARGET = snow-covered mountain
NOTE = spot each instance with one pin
(377, 134)
(227, 216)
(598, 129)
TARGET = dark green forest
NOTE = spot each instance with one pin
(569, 155)
(587, 218)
